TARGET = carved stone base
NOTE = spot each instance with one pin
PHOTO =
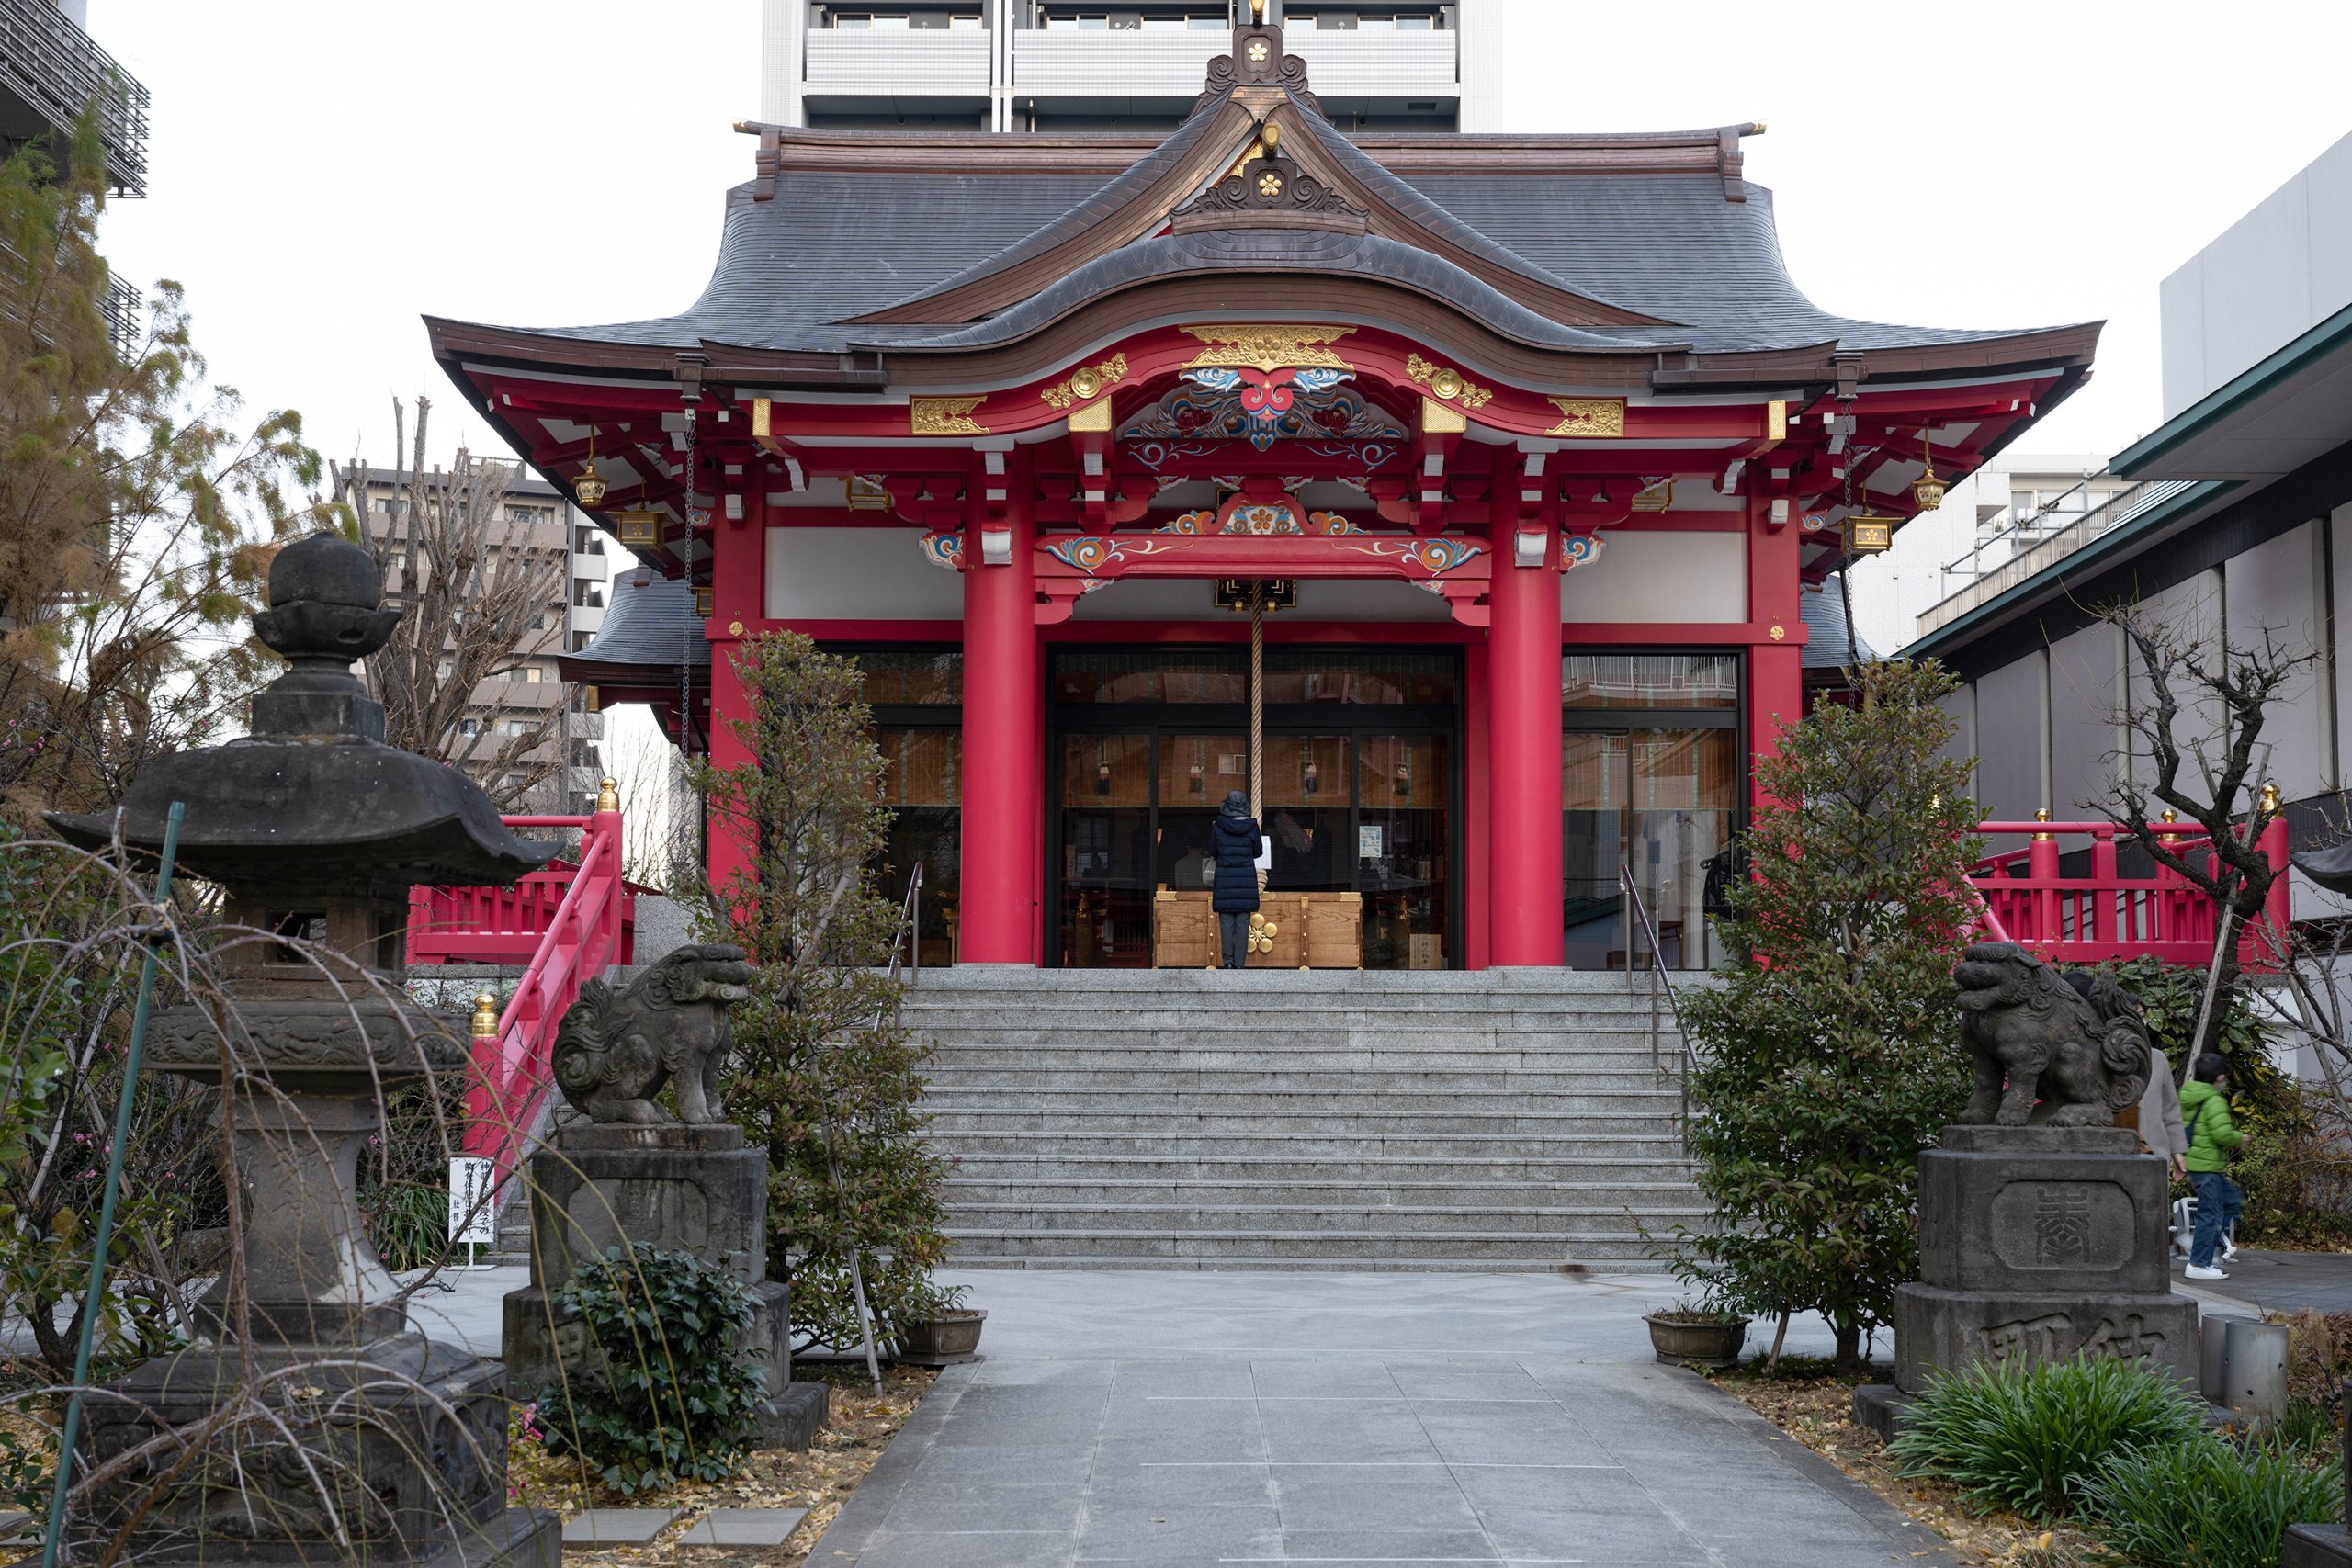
(2038, 1244)
(1883, 1409)
(692, 1189)
(401, 1447)
(1938, 1329)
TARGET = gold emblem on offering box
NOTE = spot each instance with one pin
(1270, 347)
(1446, 384)
(1087, 381)
(944, 416)
(1589, 416)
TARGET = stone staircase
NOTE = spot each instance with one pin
(1510, 1119)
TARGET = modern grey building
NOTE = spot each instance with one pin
(1096, 64)
(2232, 520)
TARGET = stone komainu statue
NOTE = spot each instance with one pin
(2082, 1054)
(615, 1049)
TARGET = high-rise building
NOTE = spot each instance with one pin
(526, 696)
(1094, 64)
(49, 72)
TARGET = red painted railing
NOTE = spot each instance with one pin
(2105, 915)
(566, 923)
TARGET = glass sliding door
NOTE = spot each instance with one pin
(1403, 866)
(1194, 773)
(1106, 872)
(1651, 783)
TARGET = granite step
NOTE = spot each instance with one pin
(1331, 1120)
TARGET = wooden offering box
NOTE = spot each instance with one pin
(1312, 931)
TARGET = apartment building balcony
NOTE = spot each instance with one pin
(1094, 65)
(49, 71)
(919, 71)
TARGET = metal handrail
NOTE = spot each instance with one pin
(1658, 980)
(907, 930)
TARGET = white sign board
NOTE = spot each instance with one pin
(472, 1220)
(1368, 840)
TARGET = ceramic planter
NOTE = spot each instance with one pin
(1712, 1342)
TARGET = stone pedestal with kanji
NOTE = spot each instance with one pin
(2037, 1244)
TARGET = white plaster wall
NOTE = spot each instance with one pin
(2272, 276)
(2085, 696)
(2274, 588)
(857, 574)
(1660, 577)
(1192, 599)
(2013, 720)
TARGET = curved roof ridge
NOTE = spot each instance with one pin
(1396, 192)
(1367, 255)
(1113, 194)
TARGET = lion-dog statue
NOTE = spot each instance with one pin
(2082, 1055)
(615, 1049)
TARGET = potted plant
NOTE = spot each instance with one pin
(1708, 1333)
(939, 1328)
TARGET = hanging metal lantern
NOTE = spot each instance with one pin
(1927, 490)
(1867, 534)
(639, 530)
(588, 489)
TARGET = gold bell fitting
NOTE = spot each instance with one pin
(1262, 932)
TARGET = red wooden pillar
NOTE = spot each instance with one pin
(1003, 777)
(1775, 662)
(738, 605)
(1524, 879)
(1477, 796)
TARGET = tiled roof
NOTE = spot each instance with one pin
(646, 630)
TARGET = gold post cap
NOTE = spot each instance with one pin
(2170, 814)
(485, 1016)
(608, 795)
(2270, 798)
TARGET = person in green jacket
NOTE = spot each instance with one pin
(2213, 1137)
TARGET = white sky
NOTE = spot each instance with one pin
(323, 171)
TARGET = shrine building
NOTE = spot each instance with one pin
(1522, 456)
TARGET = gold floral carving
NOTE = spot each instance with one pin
(1447, 384)
(1268, 348)
(945, 416)
(1589, 416)
(1087, 381)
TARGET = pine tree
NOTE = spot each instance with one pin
(1831, 1055)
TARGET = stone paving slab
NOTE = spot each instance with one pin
(1193, 1420)
(743, 1527)
(616, 1526)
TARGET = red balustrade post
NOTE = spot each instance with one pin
(2041, 869)
(2102, 911)
(2268, 947)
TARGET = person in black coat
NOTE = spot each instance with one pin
(1235, 838)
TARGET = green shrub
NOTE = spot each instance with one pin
(2197, 1502)
(674, 1397)
(2020, 1439)
(409, 1222)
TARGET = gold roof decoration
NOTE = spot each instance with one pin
(1272, 346)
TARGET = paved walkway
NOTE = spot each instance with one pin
(2278, 1281)
(1182, 1420)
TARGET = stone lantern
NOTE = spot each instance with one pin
(336, 1420)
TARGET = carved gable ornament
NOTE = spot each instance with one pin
(1267, 188)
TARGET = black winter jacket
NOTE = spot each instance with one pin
(1237, 844)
